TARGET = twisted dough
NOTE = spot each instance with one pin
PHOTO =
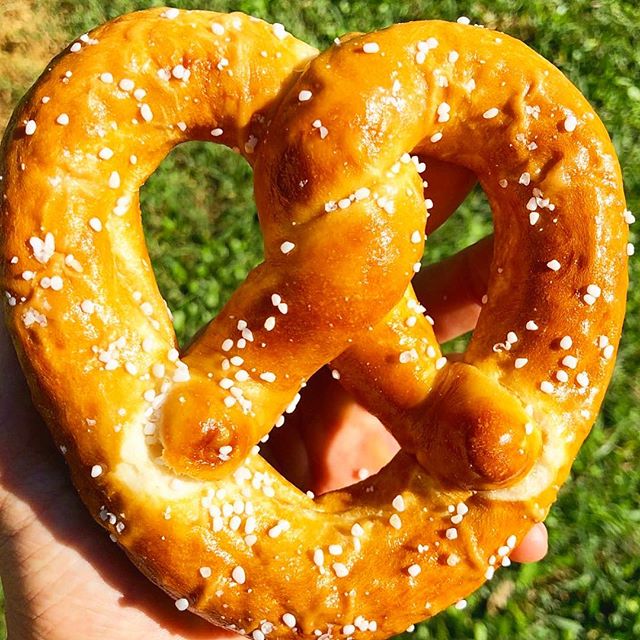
(162, 448)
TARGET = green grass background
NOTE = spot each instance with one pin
(203, 237)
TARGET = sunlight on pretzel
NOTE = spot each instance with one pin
(163, 447)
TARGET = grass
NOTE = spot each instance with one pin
(203, 237)
(24, 48)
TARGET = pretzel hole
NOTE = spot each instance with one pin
(201, 229)
(461, 299)
(330, 442)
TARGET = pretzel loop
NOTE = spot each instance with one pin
(161, 447)
(473, 429)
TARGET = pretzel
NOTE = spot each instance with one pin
(162, 446)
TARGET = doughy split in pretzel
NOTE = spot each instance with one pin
(162, 446)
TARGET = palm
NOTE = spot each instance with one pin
(58, 566)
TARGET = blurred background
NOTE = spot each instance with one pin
(203, 237)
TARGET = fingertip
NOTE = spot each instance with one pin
(449, 184)
(534, 545)
(452, 289)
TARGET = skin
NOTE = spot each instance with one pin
(60, 572)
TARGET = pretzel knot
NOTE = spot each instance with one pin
(162, 446)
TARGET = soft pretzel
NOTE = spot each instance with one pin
(162, 446)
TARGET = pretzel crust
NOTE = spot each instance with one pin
(486, 442)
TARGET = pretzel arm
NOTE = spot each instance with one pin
(542, 227)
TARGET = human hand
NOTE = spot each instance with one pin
(331, 441)
(61, 574)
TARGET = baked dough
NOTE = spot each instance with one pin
(162, 446)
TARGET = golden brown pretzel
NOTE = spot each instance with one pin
(162, 449)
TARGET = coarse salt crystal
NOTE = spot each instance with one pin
(182, 604)
(554, 265)
(146, 113)
(238, 575)
(287, 247)
(289, 619)
(96, 471)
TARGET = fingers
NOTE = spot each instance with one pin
(330, 441)
(447, 186)
(452, 289)
(345, 443)
(452, 292)
(534, 545)
(20, 425)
